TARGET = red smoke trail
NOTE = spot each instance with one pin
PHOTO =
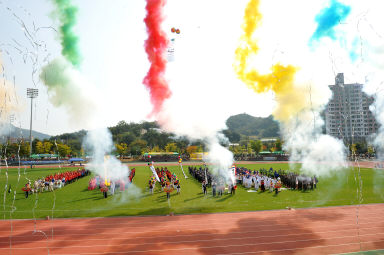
(156, 46)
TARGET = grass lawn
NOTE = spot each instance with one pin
(74, 200)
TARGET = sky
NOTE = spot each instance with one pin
(202, 79)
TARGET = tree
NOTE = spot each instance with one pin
(138, 146)
(154, 137)
(181, 143)
(249, 149)
(24, 149)
(47, 147)
(256, 146)
(39, 148)
(63, 149)
(361, 148)
(171, 147)
(126, 137)
(232, 136)
(121, 149)
(236, 149)
(353, 149)
(191, 149)
(370, 150)
(278, 145)
(82, 153)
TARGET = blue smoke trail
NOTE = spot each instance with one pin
(328, 19)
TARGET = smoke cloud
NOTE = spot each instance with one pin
(156, 47)
(298, 105)
(99, 143)
(319, 153)
(281, 78)
(328, 19)
(9, 101)
(69, 89)
(67, 15)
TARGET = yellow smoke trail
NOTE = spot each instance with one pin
(280, 80)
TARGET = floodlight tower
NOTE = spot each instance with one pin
(11, 120)
(31, 93)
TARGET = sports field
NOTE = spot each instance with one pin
(75, 200)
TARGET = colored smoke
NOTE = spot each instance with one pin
(156, 47)
(68, 88)
(281, 78)
(328, 19)
(67, 15)
(9, 101)
(298, 106)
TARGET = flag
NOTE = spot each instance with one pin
(154, 172)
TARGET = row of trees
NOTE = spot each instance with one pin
(256, 146)
(139, 147)
(132, 139)
(22, 148)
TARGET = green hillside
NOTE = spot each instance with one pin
(248, 125)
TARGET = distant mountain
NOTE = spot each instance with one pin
(9, 130)
(248, 125)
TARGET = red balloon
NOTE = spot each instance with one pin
(173, 30)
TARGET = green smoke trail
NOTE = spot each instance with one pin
(67, 14)
(66, 89)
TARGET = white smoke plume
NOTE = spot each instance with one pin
(319, 154)
(371, 63)
(99, 143)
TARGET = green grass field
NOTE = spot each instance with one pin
(74, 200)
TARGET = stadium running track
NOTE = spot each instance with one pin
(328, 230)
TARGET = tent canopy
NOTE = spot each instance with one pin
(75, 159)
(44, 156)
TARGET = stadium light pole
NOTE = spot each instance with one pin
(31, 93)
(11, 120)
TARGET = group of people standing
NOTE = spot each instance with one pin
(108, 186)
(54, 181)
(168, 182)
(201, 174)
(274, 180)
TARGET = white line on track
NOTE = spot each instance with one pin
(209, 240)
(215, 246)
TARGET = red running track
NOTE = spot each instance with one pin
(328, 230)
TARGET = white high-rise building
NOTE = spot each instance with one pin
(347, 115)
